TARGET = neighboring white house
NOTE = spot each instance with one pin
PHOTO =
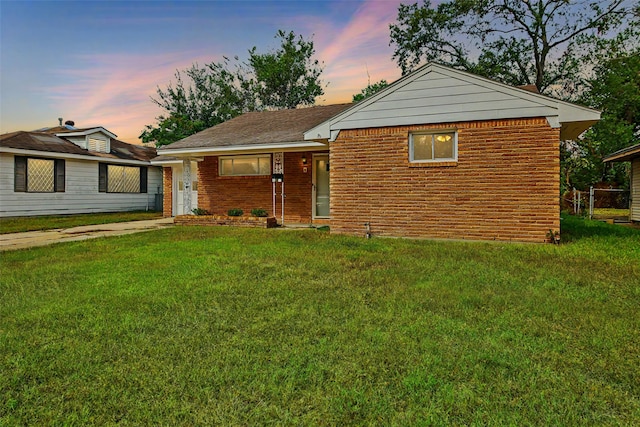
(630, 154)
(66, 170)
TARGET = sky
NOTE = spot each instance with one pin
(98, 63)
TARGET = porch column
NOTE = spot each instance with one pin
(186, 179)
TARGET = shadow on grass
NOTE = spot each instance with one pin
(576, 228)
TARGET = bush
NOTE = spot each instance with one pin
(258, 212)
(200, 211)
(235, 212)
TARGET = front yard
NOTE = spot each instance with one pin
(220, 326)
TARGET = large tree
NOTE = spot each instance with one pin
(515, 41)
(614, 89)
(202, 97)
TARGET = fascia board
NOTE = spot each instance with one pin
(55, 155)
(239, 149)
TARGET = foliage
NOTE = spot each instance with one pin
(232, 326)
(371, 89)
(200, 211)
(204, 96)
(287, 77)
(259, 212)
(51, 222)
(235, 212)
(516, 42)
(614, 89)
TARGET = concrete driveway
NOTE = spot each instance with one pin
(41, 238)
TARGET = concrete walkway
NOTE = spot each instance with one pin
(41, 238)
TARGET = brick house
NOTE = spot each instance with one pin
(440, 153)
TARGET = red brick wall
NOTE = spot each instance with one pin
(167, 188)
(504, 186)
(218, 194)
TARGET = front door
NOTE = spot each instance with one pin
(178, 189)
(320, 186)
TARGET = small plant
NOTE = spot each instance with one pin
(259, 212)
(554, 237)
(200, 211)
(235, 212)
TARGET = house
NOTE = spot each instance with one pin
(630, 154)
(67, 170)
(440, 153)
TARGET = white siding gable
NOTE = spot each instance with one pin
(438, 94)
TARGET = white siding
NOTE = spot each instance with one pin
(435, 98)
(81, 192)
(635, 189)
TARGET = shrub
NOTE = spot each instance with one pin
(235, 212)
(200, 211)
(259, 212)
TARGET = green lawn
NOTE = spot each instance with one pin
(219, 326)
(21, 224)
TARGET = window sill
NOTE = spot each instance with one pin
(433, 164)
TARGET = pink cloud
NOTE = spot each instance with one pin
(361, 46)
(113, 90)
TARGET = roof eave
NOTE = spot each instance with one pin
(244, 149)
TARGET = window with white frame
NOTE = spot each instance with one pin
(433, 147)
(244, 165)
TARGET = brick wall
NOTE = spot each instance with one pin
(167, 185)
(504, 186)
(218, 194)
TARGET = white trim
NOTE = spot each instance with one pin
(57, 155)
(314, 188)
(88, 132)
(435, 132)
(249, 149)
(173, 161)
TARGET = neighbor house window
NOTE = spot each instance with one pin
(35, 175)
(433, 147)
(245, 165)
(122, 179)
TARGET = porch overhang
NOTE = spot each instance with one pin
(624, 155)
(244, 149)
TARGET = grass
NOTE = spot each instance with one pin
(220, 326)
(22, 224)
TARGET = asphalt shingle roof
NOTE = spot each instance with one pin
(46, 142)
(263, 127)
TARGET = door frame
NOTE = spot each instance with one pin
(314, 186)
(175, 196)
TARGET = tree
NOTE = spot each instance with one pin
(371, 89)
(517, 42)
(206, 96)
(614, 89)
(287, 77)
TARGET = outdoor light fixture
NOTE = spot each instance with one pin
(304, 160)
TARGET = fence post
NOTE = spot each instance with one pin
(591, 202)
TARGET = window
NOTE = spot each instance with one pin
(122, 179)
(35, 175)
(433, 147)
(245, 165)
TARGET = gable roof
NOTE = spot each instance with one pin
(257, 130)
(50, 143)
(624, 155)
(438, 94)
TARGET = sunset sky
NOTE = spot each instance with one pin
(99, 62)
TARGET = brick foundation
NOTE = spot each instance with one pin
(504, 186)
